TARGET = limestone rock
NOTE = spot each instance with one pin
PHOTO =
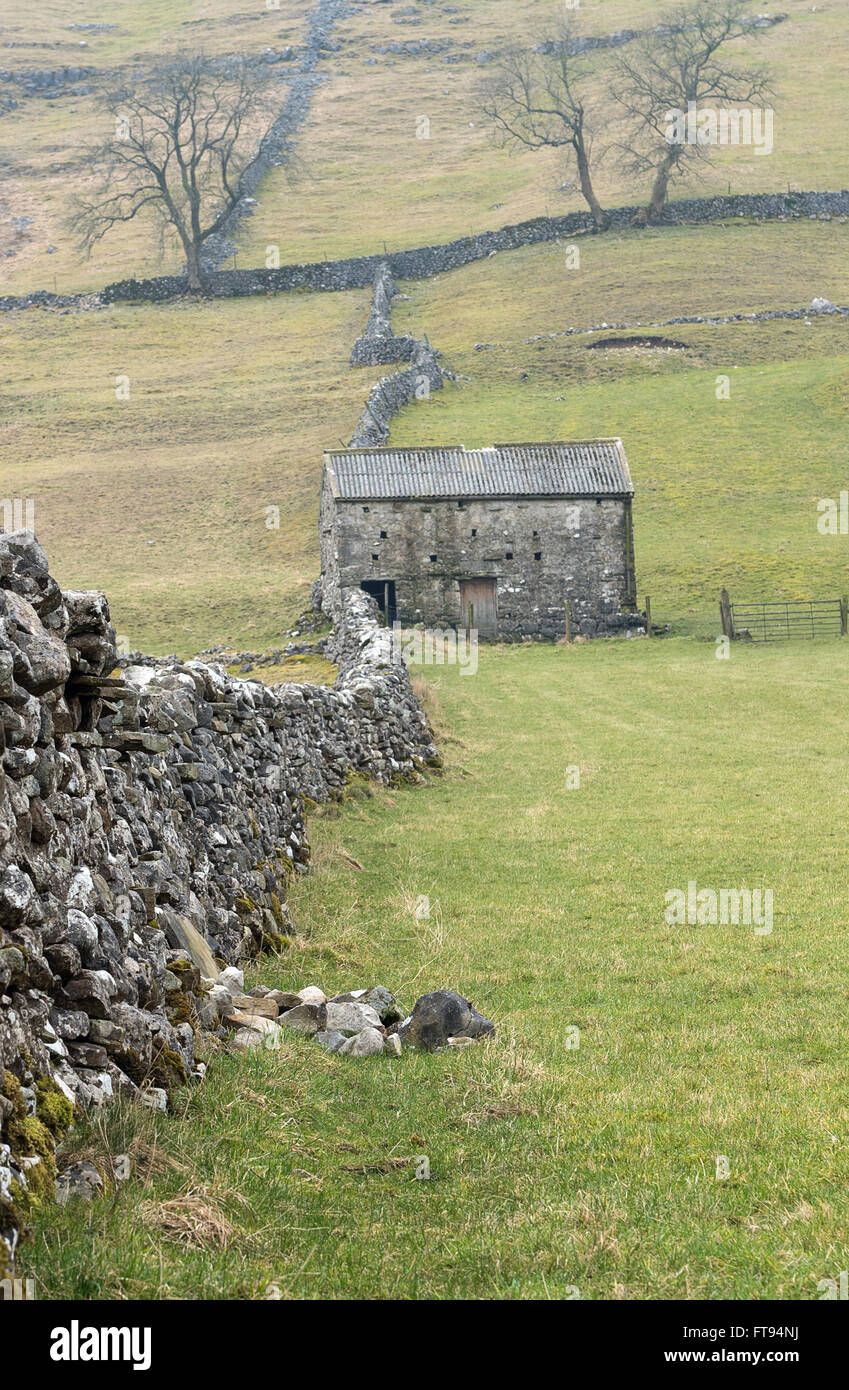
(284, 999)
(248, 1038)
(232, 980)
(248, 1004)
(264, 1026)
(306, 1018)
(350, 1018)
(312, 995)
(79, 1180)
(368, 1043)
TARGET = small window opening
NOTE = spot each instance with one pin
(537, 554)
(432, 559)
(383, 535)
(536, 533)
(474, 530)
(509, 555)
(375, 557)
(365, 509)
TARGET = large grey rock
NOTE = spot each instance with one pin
(44, 662)
(442, 1015)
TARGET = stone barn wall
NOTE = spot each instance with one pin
(585, 550)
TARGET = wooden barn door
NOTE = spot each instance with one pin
(477, 606)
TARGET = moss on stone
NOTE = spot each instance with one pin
(28, 1137)
(178, 1010)
(53, 1107)
(167, 1069)
(278, 913)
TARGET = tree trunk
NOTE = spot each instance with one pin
(193, 270)
(654, 211)
(599, 215)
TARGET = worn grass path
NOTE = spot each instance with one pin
(553, 1167)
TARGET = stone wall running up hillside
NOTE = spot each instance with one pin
(149, 823)
(378, 344)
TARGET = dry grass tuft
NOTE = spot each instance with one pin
(192, 1219)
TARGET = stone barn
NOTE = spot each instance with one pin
(497, 539)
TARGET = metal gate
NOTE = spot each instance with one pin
(776, 622)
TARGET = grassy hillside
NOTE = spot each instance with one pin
(368, 178)
(160, 500)
(726, 490)
(362, 176)
(554, 1167)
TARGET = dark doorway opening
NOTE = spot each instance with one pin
(384, 591)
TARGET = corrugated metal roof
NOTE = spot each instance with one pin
(580, 468)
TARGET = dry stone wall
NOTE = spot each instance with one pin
(420, 263)
(379, 344)
(149, 824)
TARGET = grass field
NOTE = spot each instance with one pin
(553, 1167)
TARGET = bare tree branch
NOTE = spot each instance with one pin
(683, 65)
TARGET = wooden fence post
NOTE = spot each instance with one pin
(725, 614)
(648, 616)
(568, 621)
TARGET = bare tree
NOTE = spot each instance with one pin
(183, 138)
(668, 74)
(536, 99)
